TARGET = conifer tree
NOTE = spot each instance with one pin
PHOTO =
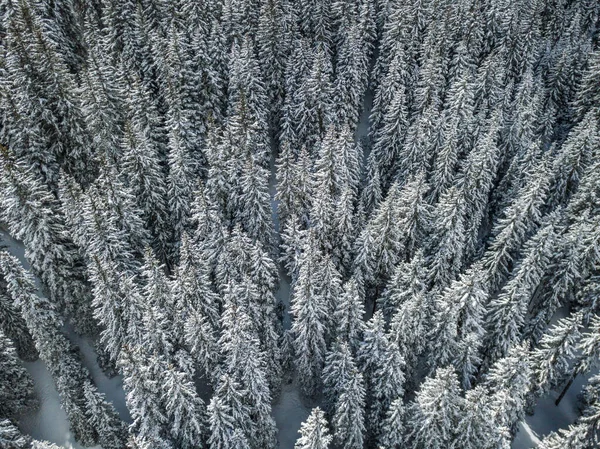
(142, 391)
(394, 231)
(476, 428)
(435, 412)
(142, 166)
(103, 419)
(509, 383)
(14, 328)
(507, 312)
(339, 363)
(382, 363)
(310, 315)
(520, 218)
(243, 360)
(458, 317)
(408, 280)
(314, 102)
(348, 314)
(228, 402)
(11, 437)
(223, 431)
(314, 432)
(393, 430)
(409, 327)
(348, 419)
(550, 361)
(16, 393)
(183, 408)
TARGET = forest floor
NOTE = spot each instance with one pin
(290, 409)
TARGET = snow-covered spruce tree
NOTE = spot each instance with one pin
(44, 324)
(393, 232)
(142, 168)
(382, 363)
(310, 316)
(208, 233)
(575, 262)
(352, 67)
(550, 361)
(393, 429)
(297, 68)
(16, 394)
(314, 432)
(245, 363)
(101, 99)
(180, 182)
(407, 280)
(14, 328)
(507, 312)
(509, 382)
(348, 315)
(225, 430)
(458, 116)
(41, 72)
(447, 245)
(144, 403)
(247, 96)
(587, 92)
(574, 158)
(253, 206)
(293, 186)
(120, 204)
(313, 109)
(103, 419)
(183, 407)
(11, 437)
(409, 327)
(274, 41)
(246, 275)
(519, 220)
(192, 289)
(117, 305)
(459, 312)
(348, 419)
(476, 428)
(339, 363)
(159, 312)
(229, 412)
(434, 414)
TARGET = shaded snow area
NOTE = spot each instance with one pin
(111, 387)
(49, 422)
(548, 417)
(289, 412)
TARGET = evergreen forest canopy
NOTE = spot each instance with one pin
(168, 165)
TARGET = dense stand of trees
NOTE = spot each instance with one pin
(166, 164)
